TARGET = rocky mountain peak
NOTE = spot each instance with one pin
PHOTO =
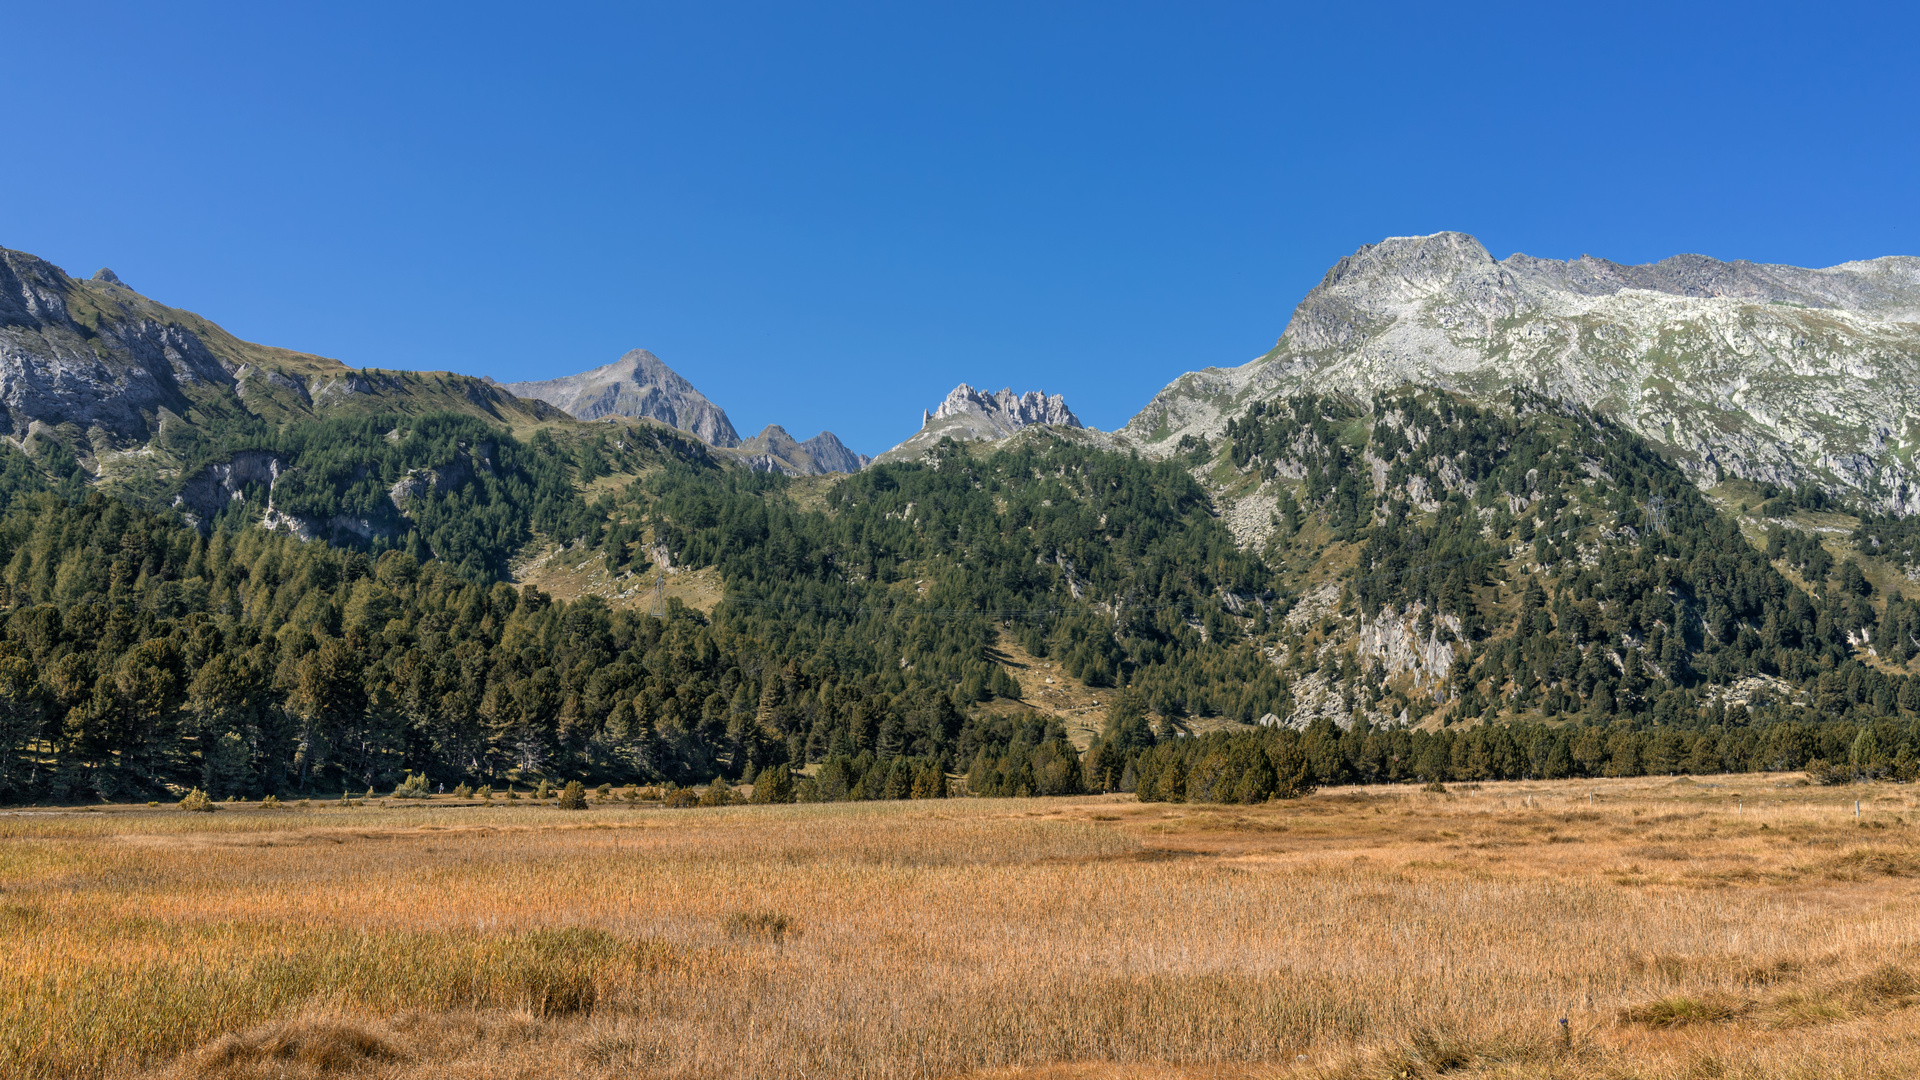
(637, 384)
(774, 450)
(1774, 373)
(1006, 412)
(972, 414)
(109, 277)
(1415, 259)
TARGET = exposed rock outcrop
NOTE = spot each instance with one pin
(1772, 373)
(973, 415)
(637, 384)
(80, 353)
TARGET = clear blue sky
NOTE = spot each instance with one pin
(827, 215)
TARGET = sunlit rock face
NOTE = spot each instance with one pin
(1771, 373)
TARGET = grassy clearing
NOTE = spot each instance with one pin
(1738, 928)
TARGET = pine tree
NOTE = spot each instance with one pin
(773, 784)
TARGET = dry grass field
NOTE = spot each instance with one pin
(1744, 927)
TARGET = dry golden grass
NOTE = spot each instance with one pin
(1739, 928)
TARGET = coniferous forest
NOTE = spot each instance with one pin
(1597, 614)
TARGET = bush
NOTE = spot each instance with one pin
(271, 802)
(485, 792)
(759, 925)
(1830, 775)
(544, 791)
(413, 787)
(462, 791)
(197, 801)
(573, 796)
(718, 794)
(773, 784)
(679, 798)
(603, 793)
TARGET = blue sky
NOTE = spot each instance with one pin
(826, 216)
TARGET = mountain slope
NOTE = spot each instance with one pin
(95, 367)
(1771, 373)
(637, 384)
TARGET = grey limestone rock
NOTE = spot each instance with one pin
(773, 450)
(974, 415)
(74, 352)
(1773, 373)
(637, 384)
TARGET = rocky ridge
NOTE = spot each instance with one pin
(1772, 373)
(773, 450)
(974, 415)
(98, 368)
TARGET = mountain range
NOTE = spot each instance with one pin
(1777, 374)
(1594, 505)
(1769, 373)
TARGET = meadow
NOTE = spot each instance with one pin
(1746, 926)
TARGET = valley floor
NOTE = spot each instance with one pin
(1728, 926)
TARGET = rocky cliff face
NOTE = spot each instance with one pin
(98, 367)
(637, 384)
(1773, 373)
(88, 354)
(970, 414)
(773, 450)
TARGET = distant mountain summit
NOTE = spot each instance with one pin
(995, 416)
(637, 384)
(773, 450)
(1772, 373)
(972, 415)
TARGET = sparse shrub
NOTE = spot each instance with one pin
(485, 792)
(512, 795)
(718, 794)
(413, 787)
(462, 791)
(543, 792)
(558, 973)
(370, 796)
(1680, 1011)
(603, 793)
(759, 925)
(320, 1046)
(1436, 787)
(1886, 984)
(155, 802)
(632, 794)
(271, 802)
(1829, 774)
(573, 796)
(197, 801)
(679, 798)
